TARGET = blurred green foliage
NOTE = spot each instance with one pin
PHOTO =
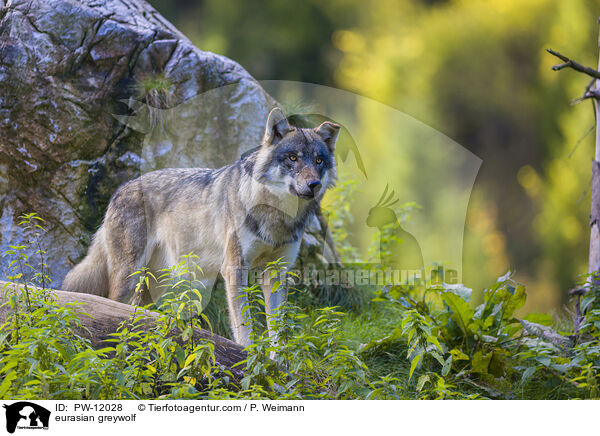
(271, 39)
(474, 69)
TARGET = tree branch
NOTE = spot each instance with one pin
(569, 63)
(106, 315)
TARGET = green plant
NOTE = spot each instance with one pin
(155, 90)
(339, 216)
(411, 342)
(46, 352)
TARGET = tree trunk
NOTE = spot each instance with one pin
(594, 259)
(106, 315)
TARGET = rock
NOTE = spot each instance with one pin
(68, 69)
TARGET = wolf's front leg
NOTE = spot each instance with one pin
(274, 301)
(236, 278)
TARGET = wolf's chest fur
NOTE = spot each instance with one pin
(274, 227)
(256, 253)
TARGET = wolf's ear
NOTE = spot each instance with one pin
(329, 132)
(277, 127)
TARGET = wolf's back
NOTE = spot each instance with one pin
(91, 274)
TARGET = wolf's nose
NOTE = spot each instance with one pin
(314, 184)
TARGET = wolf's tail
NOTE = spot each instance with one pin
(91, 274)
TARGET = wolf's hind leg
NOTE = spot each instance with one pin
(126, 241)
(122, 285)
(122, 281)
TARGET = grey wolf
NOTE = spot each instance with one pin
(241, 216)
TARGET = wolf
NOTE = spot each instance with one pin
(241, 216)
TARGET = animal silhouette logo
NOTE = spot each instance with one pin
(404, 249)
(24, 414)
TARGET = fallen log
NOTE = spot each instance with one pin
(106, 315)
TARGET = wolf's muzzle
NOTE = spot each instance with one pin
(314, 185)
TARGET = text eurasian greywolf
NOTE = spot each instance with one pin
(241, 216)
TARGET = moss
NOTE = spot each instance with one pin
(155, 90)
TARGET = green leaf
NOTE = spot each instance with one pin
(544, 360)
(458, 355)
(437, 356)
(421, 382)
(187, 333)
(514, 302)
(5, 386)
(461, 290)
(462, 314)
(190, 359)
(586, 303)
(433, 340)
(481, 362)
(447, 366)
(413, 365)
(160, 351)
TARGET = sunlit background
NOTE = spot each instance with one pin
(475, 70)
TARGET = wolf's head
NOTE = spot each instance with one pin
(297, 161)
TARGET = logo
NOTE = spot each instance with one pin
(26, 415)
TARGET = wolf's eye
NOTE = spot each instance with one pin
(293, 157)
(319, 161)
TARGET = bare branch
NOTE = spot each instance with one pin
(546, 334)
(592, 93)
(568, 63)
